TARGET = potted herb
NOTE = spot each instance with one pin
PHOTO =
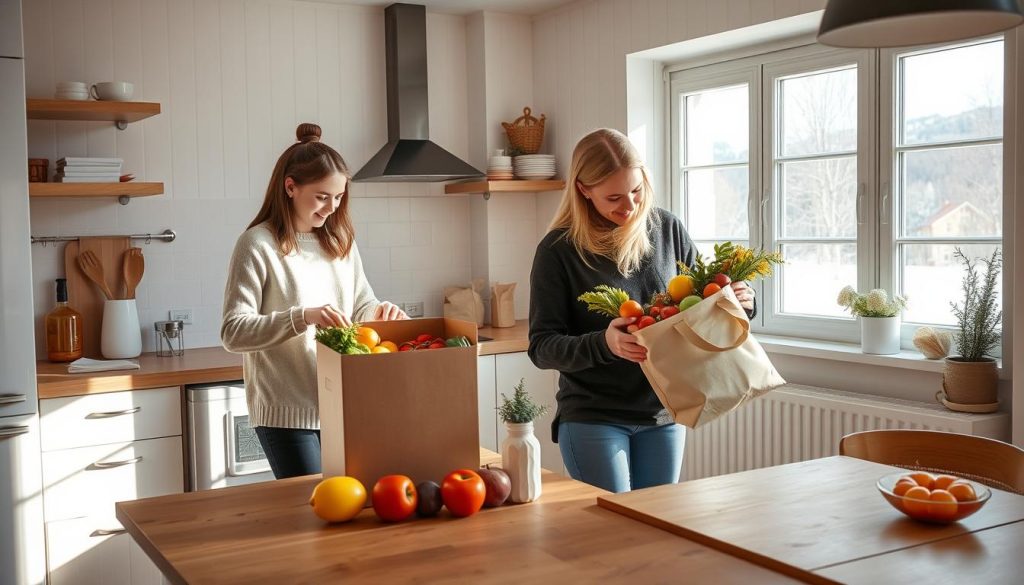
(879, 318)
(520, 451)
(970, 378)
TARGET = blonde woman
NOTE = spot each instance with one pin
(295, 268)
(610, 427)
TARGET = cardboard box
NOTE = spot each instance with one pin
(412, 413)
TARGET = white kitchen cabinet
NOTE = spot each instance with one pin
(499, 374)
(99, 449)
(486, 403)
(96, 550)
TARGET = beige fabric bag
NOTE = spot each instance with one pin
(703, 362)
(503, 305)
(464, 303)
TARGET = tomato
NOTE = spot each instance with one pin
(437, 345)
(367, 336)
(631, 308)
(424, 337)
(669, 311)
(463, 492)
(711, 289)
(394, 498)
(645, 321)
(655, 311)
(408, 346)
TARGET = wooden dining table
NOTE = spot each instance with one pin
(267, 533)
(824, 521)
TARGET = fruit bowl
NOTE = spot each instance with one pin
(937, 506)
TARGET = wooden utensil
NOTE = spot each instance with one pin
(92, 268)
(83, 295)
(134, 266)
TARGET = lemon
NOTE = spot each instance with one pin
(338, 499)
(680, 286)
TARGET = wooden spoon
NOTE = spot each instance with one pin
(93, 269)
(134, 266)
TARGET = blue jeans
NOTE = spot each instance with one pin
(291, 452)
(619, 458)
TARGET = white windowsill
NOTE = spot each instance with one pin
(850, 352)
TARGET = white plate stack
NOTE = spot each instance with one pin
(72, 90)
(84, 169)
(534, 166)
(499, 168)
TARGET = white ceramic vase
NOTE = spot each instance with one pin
(520, 458)
(880, 335)
(120, 336)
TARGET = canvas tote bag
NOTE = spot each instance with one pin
(703, 362)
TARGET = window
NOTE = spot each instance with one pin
(864, 168)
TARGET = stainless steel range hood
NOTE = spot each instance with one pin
(409, 154)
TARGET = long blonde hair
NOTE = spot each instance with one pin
(306, 161)
(597, 156)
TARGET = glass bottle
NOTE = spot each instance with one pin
(63, 328)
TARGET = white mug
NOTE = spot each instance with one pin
(118, 91)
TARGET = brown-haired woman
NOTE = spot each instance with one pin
(296, 266)
(610, 427)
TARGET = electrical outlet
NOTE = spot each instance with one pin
(414, 310)
(183, 315)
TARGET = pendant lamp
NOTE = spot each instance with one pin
(901, 23)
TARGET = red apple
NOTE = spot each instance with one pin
(721, 280)
(498, 485)
(463, 492)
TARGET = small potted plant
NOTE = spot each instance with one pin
(520, 451)
(879, 318)
(970, 378)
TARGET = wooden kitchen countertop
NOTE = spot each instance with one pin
(267, 533)
(205, 365)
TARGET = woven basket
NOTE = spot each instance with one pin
(970, 382)
(525, 133)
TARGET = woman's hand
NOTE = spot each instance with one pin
(325, 316)
(388, 312)
(744, 294)
(624, 344)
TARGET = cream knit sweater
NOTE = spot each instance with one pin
(263, 304)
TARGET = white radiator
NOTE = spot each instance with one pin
(795, 423)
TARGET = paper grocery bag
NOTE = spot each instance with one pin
(464, 303)
(503, 305)
(703, 362)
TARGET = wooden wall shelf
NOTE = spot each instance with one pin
(504, 186)
(119, 190)
(89, 110)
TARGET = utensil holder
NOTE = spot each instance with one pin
(120, 336)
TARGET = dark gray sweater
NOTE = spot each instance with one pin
(595, 385)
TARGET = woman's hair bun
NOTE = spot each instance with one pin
(307, 132)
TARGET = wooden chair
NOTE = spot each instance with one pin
(993, 463)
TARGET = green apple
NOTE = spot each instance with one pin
(688, 302)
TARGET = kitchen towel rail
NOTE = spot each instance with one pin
(167, 235)
(795, 423)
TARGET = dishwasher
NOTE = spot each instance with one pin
(223, 448)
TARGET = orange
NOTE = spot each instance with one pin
(367, 336)
(923, 479)
(631, 308)
(380, 349)
(941, 505)
(962, 491)
(916, 501)
(904, 484)
(680, 286)
(710, 289)
(389, 344)
(943, 482)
